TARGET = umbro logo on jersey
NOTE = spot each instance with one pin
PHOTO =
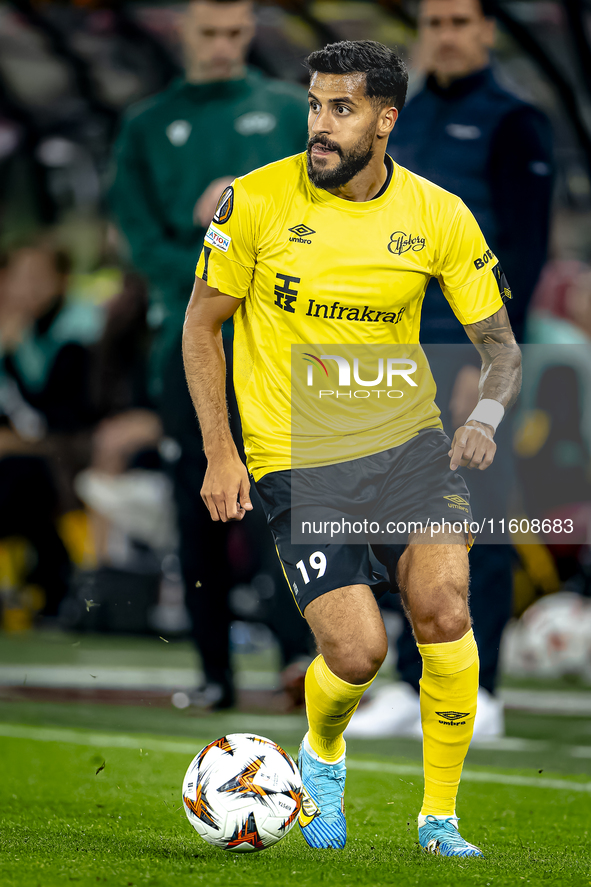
(452, 718)
(302, 232)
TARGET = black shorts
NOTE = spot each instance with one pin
(325, 520)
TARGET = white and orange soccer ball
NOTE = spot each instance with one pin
(552, 639)
(242, 792)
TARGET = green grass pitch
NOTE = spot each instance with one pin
(63, 823)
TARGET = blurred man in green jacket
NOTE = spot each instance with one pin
(176, 153)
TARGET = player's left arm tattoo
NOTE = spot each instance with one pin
(500, 376)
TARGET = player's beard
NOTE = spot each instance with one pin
(352, 161)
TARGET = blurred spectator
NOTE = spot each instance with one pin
(469, 135)
(44, 405)
(46, 339)
(551, 445)
(120, 367)
(175, 155)
(561, 306)
(24, 187)
(553, 432)
(125, 489)
(554, 458)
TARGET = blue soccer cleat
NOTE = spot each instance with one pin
(440, 835)
(322, 816)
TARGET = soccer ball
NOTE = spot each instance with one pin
(552, 639)
(242, 793)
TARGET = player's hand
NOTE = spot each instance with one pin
(226, 489)
(206, 205)
(473, 446)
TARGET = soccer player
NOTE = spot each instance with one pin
(337, 246)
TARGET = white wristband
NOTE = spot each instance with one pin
(488, 411)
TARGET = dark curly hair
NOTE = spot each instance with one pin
(386, 77)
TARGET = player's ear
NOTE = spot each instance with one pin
(386, 121)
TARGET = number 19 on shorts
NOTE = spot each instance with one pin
(317, 561)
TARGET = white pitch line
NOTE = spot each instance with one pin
(98, 740)
(117, 678)
(555, 702)
(176, 746)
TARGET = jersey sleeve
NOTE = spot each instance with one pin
(230, 244)
(470, 275)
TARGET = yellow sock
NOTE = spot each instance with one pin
(330, 705)
(449, 689)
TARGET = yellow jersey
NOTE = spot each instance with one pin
(331, 293)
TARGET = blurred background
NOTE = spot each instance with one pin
(95, 607)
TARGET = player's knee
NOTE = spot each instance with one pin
(439, 626)
(442, 616)
(365, 664)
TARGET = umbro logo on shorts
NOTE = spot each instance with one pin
(302, 232)
(457, 502)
